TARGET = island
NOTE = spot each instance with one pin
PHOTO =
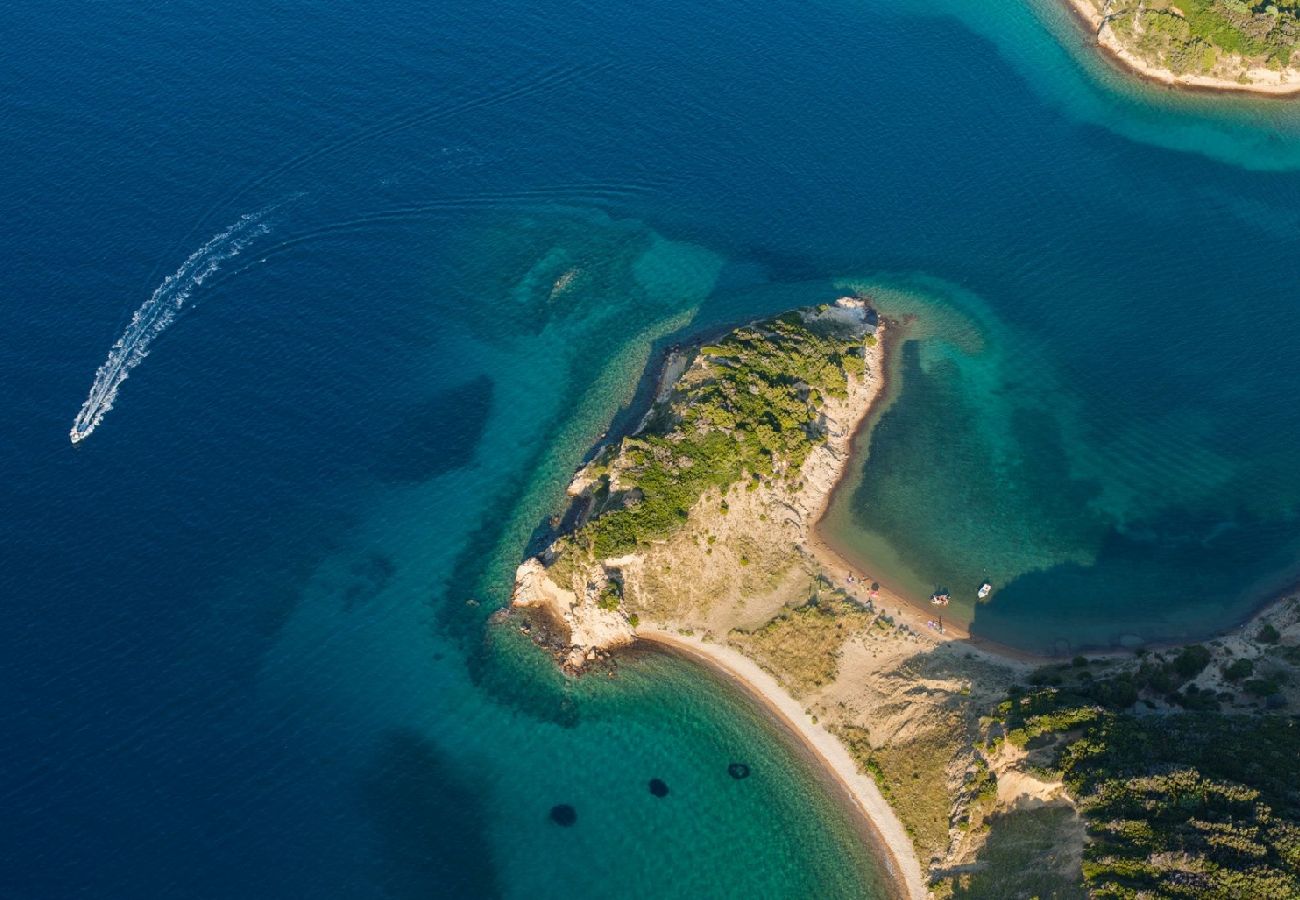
(1226, 45)
(981, 772)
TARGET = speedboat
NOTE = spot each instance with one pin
(985, 589)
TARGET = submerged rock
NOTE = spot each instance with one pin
(738, 771)
(658, 787)
(564, 814)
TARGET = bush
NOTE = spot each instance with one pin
(1268, 634)
(1195, 36)
(1193, 804)
(1191, 661)
(611, 597)
(1238, 669)
(1262, 687)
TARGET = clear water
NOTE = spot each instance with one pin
(244, 650)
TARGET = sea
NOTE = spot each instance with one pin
(335, 297)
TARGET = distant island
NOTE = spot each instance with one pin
(981, 772)
(1233, 45)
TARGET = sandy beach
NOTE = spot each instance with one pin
(1263, 82)
(911, 692)
(825, 749)
(915, 613)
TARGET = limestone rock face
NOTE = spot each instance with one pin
(587, 627)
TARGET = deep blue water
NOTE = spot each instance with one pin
(243, 652)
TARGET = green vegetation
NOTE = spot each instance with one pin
(1238, 669)
(913, 776)
(1193, 36)
(1190, 804)
(1191, 661)
(1156, 677)
(611, 597)
(801, 647)
(1024, 858)
(750, 413)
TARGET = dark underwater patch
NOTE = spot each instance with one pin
(564, 815)
(432, 829)
(367, 577)
(1172, 575)
(438, 435)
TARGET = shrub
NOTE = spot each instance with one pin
(1191, 661)
(1261, 687)
(1192, 804)
(610, 597)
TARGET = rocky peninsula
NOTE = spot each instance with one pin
(977, 773)
(703, 515)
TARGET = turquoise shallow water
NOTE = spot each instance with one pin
(244, 652)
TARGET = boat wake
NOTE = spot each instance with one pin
(157, 313)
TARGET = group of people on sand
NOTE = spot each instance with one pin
(873, 594)
(874, 591)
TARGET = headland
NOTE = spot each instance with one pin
(1162, 43)
(697, 532)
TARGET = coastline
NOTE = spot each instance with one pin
(916, 613)
(824, 749)
(826, 555)
(914, 696)
(834, 562)
(1130, 64)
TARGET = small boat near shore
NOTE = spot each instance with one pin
(986, 588)
(940, 597)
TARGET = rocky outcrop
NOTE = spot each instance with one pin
(578, 621)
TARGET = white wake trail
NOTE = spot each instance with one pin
(157, 313)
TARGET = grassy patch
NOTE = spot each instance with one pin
(913, 776)
(1024, 857)
(802, 646)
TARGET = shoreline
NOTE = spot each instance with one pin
(1130, 64)
(824, 750)
(829, 558)
(834, 561)
(876, 681)
(915, 615)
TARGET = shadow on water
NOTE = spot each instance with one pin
(429, 820)
(1124, 597)
(438, 435)
(960, 502)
